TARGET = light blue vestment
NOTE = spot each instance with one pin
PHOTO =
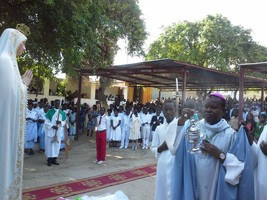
(31, 130)
(41, 135)
(184, 179)
(245, 189)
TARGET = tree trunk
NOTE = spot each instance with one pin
(103, 84)
(202, 94)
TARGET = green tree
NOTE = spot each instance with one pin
(75, 34)
(212, 42)
(61, 88)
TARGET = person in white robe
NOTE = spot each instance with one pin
(125, 133)
(31, 129)
(38, 110)
(135, 127)
(72, 123)
(145, 128)
(121, 115)
(260, 174)
(108, 130)
(115, 131)
(41, 121)
(54, 123)
(13, 101)
(165, 157)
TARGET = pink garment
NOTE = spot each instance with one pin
(217, 94)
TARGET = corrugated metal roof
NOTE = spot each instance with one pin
(162, 74)
(259, 67)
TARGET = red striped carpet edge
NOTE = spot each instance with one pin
(90, 184)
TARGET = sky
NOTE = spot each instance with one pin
(161, 13)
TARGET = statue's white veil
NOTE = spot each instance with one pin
(13, 103)
(10, 40)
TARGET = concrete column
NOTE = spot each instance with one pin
(46, 87)
(92, 90)
(125, 93)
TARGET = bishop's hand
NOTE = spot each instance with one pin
(185, 115)
(208, 148)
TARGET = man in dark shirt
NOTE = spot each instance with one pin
(156, 121)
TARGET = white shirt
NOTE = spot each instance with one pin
(126, 121)
(31, 114)
(103, 124)
(165, 164)
(146, 118)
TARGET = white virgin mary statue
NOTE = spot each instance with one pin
(13, 101)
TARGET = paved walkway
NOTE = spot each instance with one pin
(79, 165)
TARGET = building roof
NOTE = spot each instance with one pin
(163, 73)
(259, 67)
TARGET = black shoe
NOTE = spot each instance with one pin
(49, 162)
(30, 152)
(54, 161)
(41, 151)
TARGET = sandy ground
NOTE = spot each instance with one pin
(79, 165)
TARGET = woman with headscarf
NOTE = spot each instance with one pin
(13, 103)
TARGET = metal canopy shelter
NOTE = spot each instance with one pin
(260, 67)
(161, 74)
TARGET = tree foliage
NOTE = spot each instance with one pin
(212, 42)
(71, 34)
